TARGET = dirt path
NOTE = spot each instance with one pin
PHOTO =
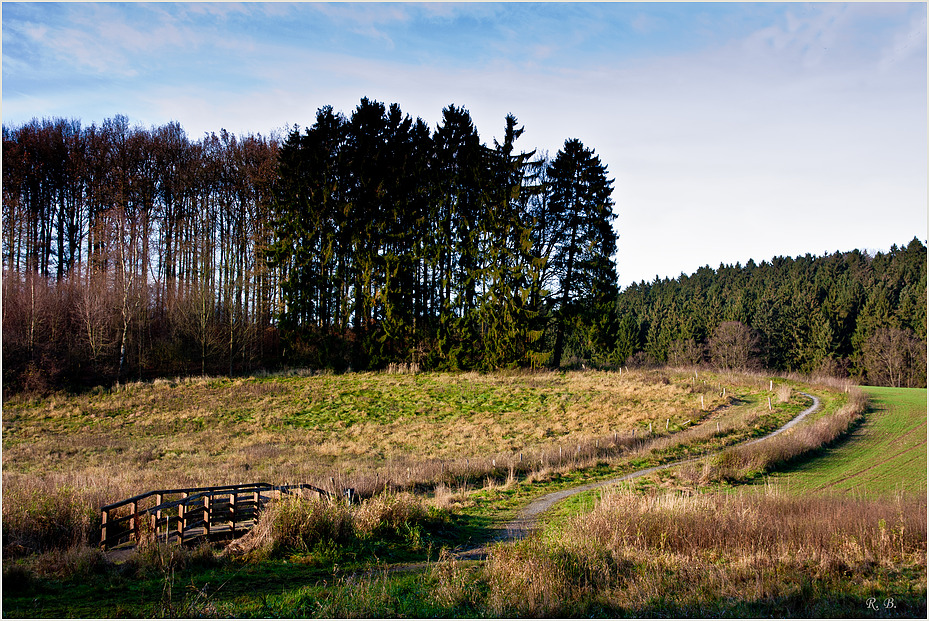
(527, 519)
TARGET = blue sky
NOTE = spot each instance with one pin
(733, 131)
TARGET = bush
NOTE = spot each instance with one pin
(297, 525)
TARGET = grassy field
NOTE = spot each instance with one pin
(884, 456)
(474, 448)
(362, 430)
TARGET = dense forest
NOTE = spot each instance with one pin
(361, 241)
(372, 239)
(844, 314)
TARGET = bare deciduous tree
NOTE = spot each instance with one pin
(686, 353)
(894, 357)
(734, 346)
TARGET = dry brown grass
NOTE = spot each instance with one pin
(210, 431)
(636, 552)
(370, 432)
(738, 463)
(295, 525)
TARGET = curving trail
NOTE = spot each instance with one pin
(527, 519)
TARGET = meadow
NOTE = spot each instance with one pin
(884, 456)
(443, 462)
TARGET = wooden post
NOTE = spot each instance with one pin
(667, 424)
(769, 403)
(717, 426)
(701, 402)
(182, 518)
(649, 427)
(206, 514)
(105, 515)
(770, 385)
(159, 498)
(136, 531)
(232, 512)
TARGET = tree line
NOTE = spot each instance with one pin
(845, 314)
(371, 238)
(366, 239)
(132, 252)
(400, 244)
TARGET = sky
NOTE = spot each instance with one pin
(732, 131)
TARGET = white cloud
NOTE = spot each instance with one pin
(782, 141)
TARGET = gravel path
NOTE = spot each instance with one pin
(527, 519)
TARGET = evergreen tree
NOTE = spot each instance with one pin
(585, 243)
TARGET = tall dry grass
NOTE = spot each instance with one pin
(64, 457)
(738, 463)
(297, 525)
(701, 554)
(41, 514)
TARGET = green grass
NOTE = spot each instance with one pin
(505, 413)
(883, 456)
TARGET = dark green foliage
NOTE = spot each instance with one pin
(397, 245)
(845, 314)
(584, 244)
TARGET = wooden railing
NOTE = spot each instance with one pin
(191, 513)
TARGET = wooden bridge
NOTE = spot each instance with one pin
(190, 514)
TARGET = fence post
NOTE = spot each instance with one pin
(136, 531)
(182, 518)
(232, 513)
(103, 520)
(156, 519)
(206, 513)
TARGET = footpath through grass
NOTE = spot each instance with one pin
(885, 455)
(665, 563)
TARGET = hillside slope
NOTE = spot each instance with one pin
(885, 455)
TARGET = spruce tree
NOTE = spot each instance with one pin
(586, 243)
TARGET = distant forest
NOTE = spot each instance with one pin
(844, 314)
(370, 239)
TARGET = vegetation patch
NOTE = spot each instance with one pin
(885, 455)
